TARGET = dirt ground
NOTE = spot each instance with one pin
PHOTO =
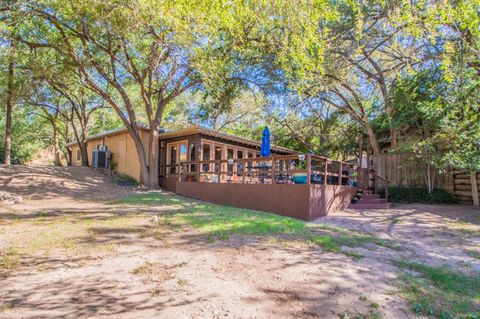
(117, 271)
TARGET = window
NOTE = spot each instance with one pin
(193, 157)
(217, 157)
(176, 152)
(79, 155)
(173, 158)
(230, 153)
(193, 152)
(183, 152)
(239, 154)
(239, 163)
(249, 163)
(205, 156)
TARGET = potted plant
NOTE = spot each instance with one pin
(300, 177)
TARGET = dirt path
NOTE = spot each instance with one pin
(89, 258)
(433, 234)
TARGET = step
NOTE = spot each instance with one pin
(370, 206)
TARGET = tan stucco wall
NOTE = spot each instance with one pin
(123, 152)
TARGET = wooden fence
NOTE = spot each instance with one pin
(407, 170)
(466, 187)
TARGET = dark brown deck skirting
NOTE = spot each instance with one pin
(306, 202)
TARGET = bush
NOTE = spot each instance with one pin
(403, 194)
(124, 180)
(113, 166)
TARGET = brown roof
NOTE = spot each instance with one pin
(218, 134)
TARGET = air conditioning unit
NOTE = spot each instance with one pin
(101, 159)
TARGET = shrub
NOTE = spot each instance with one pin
(113, 166)
(403, 194)
(124, 180)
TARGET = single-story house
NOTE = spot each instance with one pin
(184, 145)
(224, 169)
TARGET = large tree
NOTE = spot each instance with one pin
(138, 57)
(151, 52)
(9, 102)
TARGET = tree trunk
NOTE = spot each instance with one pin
(84, 152)
(68, 153)
(153, 158)
(392, 130)
(393, 137)
(68, 156)
(8, 124)
(373, 140)
(142, 158)
(56, 147)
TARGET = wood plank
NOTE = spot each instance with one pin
(463, 193)
(464, 198)
(462, 187)
(474, 189)
(462, 181)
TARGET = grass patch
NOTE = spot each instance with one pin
(393, 220)
(152, 198)
(9, 259)
(353, 239)
(215, 222)
(124, 180)
(146, 268)
(440, 292)
(75, 234)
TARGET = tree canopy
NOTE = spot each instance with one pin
(403, 74)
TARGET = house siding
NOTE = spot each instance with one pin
(123, 150)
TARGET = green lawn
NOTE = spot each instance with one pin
(217, 222)
(439, 291)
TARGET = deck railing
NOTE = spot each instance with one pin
(278, 169)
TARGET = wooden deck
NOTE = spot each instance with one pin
(267, 184)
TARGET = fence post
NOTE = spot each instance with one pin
(325, 173)
(309, 168)
(198, 171)
(244, 170)
(273, 170)
(340, 173)
(473, 181)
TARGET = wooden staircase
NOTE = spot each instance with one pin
(369, 200)
(368, 196)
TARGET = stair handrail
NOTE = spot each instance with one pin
(375, 186)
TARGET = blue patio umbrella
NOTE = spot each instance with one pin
(265, 148)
